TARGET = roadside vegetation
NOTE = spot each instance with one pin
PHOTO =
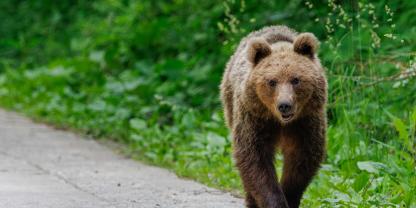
(146, 74)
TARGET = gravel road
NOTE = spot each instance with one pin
(48, 168)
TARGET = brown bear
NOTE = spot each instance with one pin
(274, 93)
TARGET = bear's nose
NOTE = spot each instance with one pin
(285, 107)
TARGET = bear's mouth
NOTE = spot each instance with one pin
(287, 117)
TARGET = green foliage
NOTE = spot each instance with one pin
(146, 74)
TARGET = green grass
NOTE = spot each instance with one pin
(146, 74)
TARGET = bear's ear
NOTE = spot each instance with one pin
(306, 44)
(258, 49)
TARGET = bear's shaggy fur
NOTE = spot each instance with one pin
(274, 93)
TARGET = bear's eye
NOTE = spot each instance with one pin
(295, 81)
(272, 83)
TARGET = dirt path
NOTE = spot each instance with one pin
(43, 167)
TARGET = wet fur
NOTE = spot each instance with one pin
(258, 131)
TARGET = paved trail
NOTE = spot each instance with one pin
(47, 168)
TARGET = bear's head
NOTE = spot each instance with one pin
(287, 75)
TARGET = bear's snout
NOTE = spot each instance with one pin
(285, 107)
